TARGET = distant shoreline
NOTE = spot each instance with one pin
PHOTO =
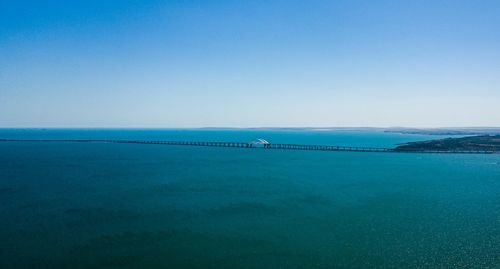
(401, 130)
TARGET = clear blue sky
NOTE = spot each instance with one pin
(249, 63)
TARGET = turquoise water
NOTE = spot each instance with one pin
(70, 205)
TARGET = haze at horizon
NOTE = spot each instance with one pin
(249, 64)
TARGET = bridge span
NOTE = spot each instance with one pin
(260, 143)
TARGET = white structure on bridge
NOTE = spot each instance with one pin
(260, 141)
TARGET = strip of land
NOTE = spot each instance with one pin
(469, 143)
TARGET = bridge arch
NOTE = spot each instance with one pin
(260, 143)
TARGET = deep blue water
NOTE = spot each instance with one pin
(67, 205)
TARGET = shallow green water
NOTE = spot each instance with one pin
(147, 206)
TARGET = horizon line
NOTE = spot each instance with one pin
(249, 127)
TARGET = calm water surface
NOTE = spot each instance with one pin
(96, 205)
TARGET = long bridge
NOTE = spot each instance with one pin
(260, 143)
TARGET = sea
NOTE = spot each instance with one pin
(104, 205)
